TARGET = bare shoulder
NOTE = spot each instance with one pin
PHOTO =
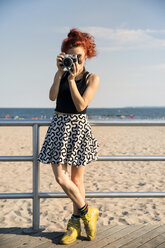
(92, 78)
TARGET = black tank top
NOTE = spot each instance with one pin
(64, 102)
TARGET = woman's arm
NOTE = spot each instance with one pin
(53, 92)
(81, 102)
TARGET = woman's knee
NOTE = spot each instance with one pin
(77, 180)
(59, 173)
(60, 180)
(77, 175)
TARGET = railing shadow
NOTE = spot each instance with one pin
(53, 236)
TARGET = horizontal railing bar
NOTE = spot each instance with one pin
(128, 123)
(131, 158)
(16, 158)
(92, 122)
(16, 195)
(87, 194)
(104, 194)
(21, 122)
(100, 158)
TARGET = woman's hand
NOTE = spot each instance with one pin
(59, 62)
(75, 72)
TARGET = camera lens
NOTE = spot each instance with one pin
(67, 62)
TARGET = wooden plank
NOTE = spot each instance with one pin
(31, 242)
(80, 241)
(21, 241)
(82, 237)
(100, 231)
(12, 233)
(51, 244)
(155, 241)
(140, 241)
(7, 235)
(114, 236)
(99, 236)
(18, 238)
(57, 240)
(161, 245)
(131, 236)
(49, 239)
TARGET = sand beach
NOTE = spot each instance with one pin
(115, 176)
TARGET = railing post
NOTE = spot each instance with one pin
(36, 179)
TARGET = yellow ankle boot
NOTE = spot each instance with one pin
(89, 220)
(72, 232)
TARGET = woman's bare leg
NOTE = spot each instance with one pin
(70, 188)
(77, 176)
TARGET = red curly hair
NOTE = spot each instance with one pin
(76, 38)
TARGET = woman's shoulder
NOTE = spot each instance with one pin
(91, 76)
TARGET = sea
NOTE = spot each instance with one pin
(123, 113)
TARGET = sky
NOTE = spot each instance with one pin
(130, 42)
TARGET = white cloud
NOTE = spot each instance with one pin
(159, 31)
(122, 39)
(125, 39)
(118, 35)
(158, 67)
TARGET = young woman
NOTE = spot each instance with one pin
(69, 139)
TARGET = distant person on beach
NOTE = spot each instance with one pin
(69, 139)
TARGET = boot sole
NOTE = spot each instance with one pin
(67, 243)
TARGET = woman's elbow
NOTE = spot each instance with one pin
(81, 108)
(52, 98)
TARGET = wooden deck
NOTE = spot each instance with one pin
(113, 236)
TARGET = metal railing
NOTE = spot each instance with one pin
(36, 194)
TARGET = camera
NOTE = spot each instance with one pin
(68, 61)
